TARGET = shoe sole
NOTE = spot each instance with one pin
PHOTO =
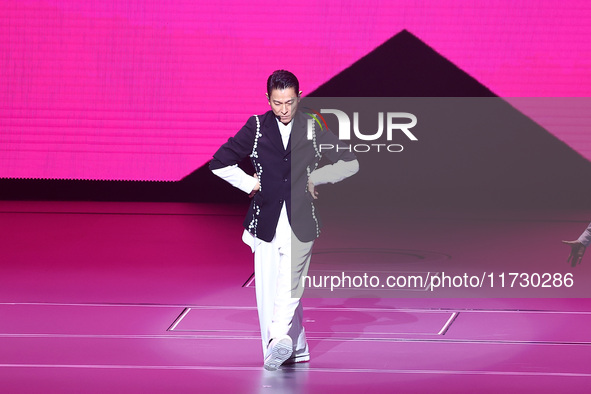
(280, 352)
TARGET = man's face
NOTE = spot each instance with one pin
(284, 104)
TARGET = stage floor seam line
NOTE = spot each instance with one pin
(320, 332)
(311, 308)
(296, 369)
(448, 323)
(178, 320)
(310, 338)
(441, 340)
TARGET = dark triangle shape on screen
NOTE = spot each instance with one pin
(403, 66)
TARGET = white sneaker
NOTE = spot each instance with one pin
(298, 358)
(278, 351)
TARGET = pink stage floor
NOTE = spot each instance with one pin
(156, 298)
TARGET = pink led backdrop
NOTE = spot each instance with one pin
(147, 90)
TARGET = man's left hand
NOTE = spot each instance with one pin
(312, 190)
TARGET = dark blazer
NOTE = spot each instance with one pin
(283, 173)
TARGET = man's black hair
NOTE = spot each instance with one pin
(282, 79)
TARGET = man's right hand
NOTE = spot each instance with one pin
(576, 252)
(256, 187)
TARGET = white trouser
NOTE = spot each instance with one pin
(278, 267)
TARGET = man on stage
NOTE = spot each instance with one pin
(281, 224)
